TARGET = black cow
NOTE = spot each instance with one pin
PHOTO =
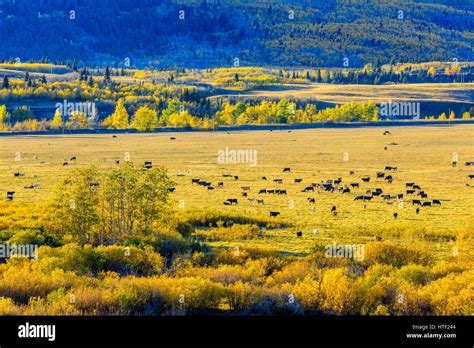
(10, 195)
(359, 198)
(274, 213)
(260, 201)
(334, 208)
(471, 176)
(410, 192)
(117, 161)
(387, 133)
(210, 188)
(278, 181)
(232, 201)
(367, 198)
(468, 164)
(400, 196)
(299, 234)
(195, 181)
(415, 201)
(264, 178)
(436, 201)
(114, 136)
(281, 192)
(220, 184)
(416, 187)
(346, 190)
(355, 185)
(351, 172)
(380, 175)
(426, 204)
(172, 189)
(409, 184)
(65, 163)
(172, 138)
(73, 158)
(148, 165)
(236, 177)
(311, 200)
(367, 179)
(17, 175)
(395, 215)
(286, 170)
(262, 191)
(309, 188)
(244, 194)
(390, 168)
(378, 238)
(389, 179)
(297, 181)
(417, 211)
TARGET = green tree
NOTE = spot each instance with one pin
(21, 114)
(144, 119)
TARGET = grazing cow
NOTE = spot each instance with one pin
(232, 201)
(262, 191)
(415, 201)
(65, 163)
(73, 158)
(220, 184)
(410, 192)
(286, 170)
(387, 133)
(251, 199)
(436, 201)
(354, 185)
(226, 203)
(359, 198)
(378, 238)
(299, 234)
(148, 165)
(172, 189)
(10, 195)
(409, 184)
(389, 179)
(297, 181)
(278, 181)
(281, 192)
(400, 196)
(471, 176)
(468, 164)
(376, 193)
(346, 190)
(260, 201)
(29, 187)
(264, 178)
(386, 197)
(245, 188)
(244, 194)
(334, 208)
(311, 200)
(172, 138)
(117, 161)
(195, 181)
(227, 175)
(338, 181)
(274, 213)
(385, 148)
(114, 136)
(270, 191)
(395, 215)
(416, 187)
(309, 188)
(454, 164)
(94, 184)
(210, 188)
(366, 179)
(424, 195)
(390, 168)
(17, 175)
(417, 211)
(236, 177)
(380, 175)
(368, 198)
(329, 188)
(426, 204)
(351, 172)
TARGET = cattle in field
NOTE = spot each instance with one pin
(227, 175)
(400, 196)
(286, 170)
(386, 197)
(210, 188)
(264, 178)
(94, 184)
(334, 213)
(299, 234)
(417, 211)
(117, 161)
(281, 192)
(251, 199)
(454, 164)
(395, 215)
(232, 201)
(416, 187)
(236, 177)
(226, 203)
(311, 200)
(297, 181)
(65, 163)
(436, 202)
(351, 172)
(390, 168)
(309, 188)
(220, 184)
(338, 181)
(366, 179)
(471, 176)
(29, 187)
(195, 181)
(274, 213)
(424, 195)
(17, 175)
(468, 164)
(410, 192)
(244, 194)
(73, 158)
(334, 208)
(380, 175)
(368, 198)
(387, 133)
(245, 188)
(278, 181)
(329, 188)
(346, 190)
(114, 136)
(260, 201)
(415, 201)
(10, 195)
(262, 191)
(426, 204)
(172, 138)
(172, 189)
(389, 179)
(378, 238)
(359, 198)
(409, 184)
(354, 185)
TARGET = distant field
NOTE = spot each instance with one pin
(455, 92)
(422, 154)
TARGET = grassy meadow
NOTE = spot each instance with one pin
(422, 154)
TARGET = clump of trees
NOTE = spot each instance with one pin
(96, 208)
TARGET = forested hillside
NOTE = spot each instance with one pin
(214, 33)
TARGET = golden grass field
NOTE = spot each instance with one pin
(422, 154)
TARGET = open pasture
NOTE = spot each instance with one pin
(422, 155)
